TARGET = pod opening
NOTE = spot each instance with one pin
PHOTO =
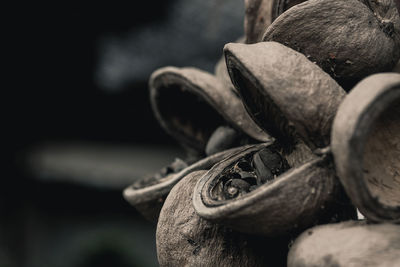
(381, 157)
(264, 111)
(188, 114)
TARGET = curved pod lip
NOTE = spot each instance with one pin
(285, 93)
(296, 199)
(207, 88)
(352, 130)
(154, 192)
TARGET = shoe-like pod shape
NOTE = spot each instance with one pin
(352, 243)
(204, 104)
(366, 146)
(148, 195)
(304, 194)
(287, 95)
(349, 39)
(185, 239)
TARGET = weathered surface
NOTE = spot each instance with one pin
(349, 39)
(285, 94)
(306, 195)
(366, 146)
(148, 195)
(258, 16)
(350, 244)
(185, 239)
(205, 104)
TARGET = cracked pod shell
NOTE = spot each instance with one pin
(352, 243)
(287, 95)
(305, 195)
(204, 104)
(148, 199)
(349, 39)
(185, 239)
(366, 146)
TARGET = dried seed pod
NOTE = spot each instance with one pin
(257, 18)
(352, 243)
(204, 104)
(148, 195)
(185, 239)
(286, 94)
(349, 39)
(305, 195)
(281, 6)
(366, 146)
(224, 137)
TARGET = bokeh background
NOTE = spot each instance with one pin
(80, 127)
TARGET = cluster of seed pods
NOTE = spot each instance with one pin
(298, 128)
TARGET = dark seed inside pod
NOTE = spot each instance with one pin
(235, 187)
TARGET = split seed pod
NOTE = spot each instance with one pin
(148, 196)
(349, 39)
(352, 243)
(366, 146)
(303, 196)
(185, 239)
(295, 101)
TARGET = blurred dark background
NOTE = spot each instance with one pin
(79, 127)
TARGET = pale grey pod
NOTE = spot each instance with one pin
(305, 195)
(352, 243)
(287, 95)
(349, 39)
(366, 146)
(185, 239)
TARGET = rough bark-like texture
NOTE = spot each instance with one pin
(205, 104)
(257, 18)
(281, 6)
(350, 244)
(284, 93)
(366, 146)
(149, 198)
(349, 39)
(185, 239)
(304, 196)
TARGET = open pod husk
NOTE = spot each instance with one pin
(185, 239)
(352, 243)
(349, 39)
(366, 146)
(287, 95)
(305, 195)
(204, 104)
(148, 198)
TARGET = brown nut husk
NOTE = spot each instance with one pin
(185, 239)
(205, 104)
(352, 243)
(366, 146)
(305, 195)
(349, 39)
(148, 196)
(281, 6)
(287, 95)
(258, 16)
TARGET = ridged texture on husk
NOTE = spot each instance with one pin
(352, 243)
(185, 239)
(349, 39)
(366, 146)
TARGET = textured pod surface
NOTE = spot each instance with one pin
(281, 6)
(353, 244)
(257, 18)
(349, 39)
(148, 196)
(305, 195)
(204, 104)
(185, 239)
(285, 94)
(366, 146)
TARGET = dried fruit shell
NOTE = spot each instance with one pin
(353, 243)
(366, 146)
(349, 39)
